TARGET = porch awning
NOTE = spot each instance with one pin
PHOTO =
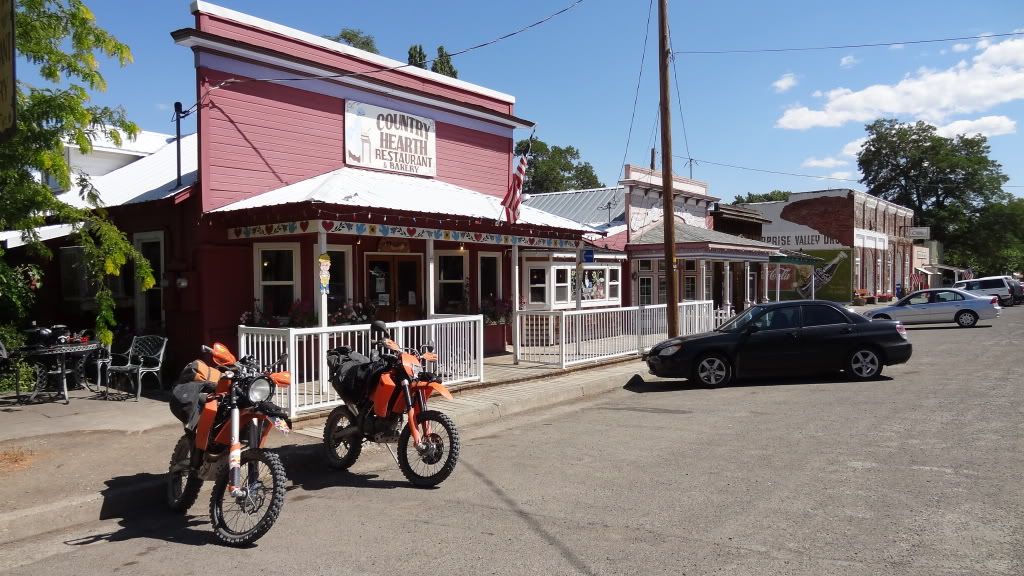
(13, 238)
(369, 189)
(793, 257)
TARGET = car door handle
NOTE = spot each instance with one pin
(846, 331)
(793, 335)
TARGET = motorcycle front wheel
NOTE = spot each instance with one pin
(341, 451)
(182, 482)
(239, 521)
(435, 461)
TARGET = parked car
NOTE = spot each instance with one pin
(990, 286)
(1017, 288)
(939, 305)
(784, 339)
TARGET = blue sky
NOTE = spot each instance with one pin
(575, 76)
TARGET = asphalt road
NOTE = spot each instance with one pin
(920, 472)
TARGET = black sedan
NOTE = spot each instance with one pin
(784, 339)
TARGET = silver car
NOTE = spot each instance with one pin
(939, 305)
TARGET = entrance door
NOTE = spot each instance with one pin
(149, 307)
(395, 285)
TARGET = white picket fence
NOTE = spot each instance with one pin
(571, 337)
(458, 341)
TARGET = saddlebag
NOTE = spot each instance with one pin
(350, 374)
(187, 398)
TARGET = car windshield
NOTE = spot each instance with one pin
(740, 321)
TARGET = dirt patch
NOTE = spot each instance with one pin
(16, 458)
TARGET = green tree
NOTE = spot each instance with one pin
(773, 196)
(997, 244)
(443, 63)
(61, 39)
(554, 168)
(355, 38)
(417, 56)
(946, 181)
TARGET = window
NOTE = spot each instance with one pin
(707, 282)
(338, 289)
(690, 265)
(595, 285)
(661, 265)
(538, 285)
(919, 298)
(451, 288)
(645, 290)
(277, 277)
(76, 285)
(945, 296)
(662, 290)
(779, 319)
(992, 283)
(562, 285)
(613, 283)
(645, 265)
(690, 288)
(490, 276)
(818, 315)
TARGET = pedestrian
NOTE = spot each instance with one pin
(899, 290)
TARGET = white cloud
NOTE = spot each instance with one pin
(896, 47)
(992, 77)
(987, 125)
(960, 47)
(841, 175)
(785, 82)
(848, 61)
(817, 93)
(827, 162)
(984, 42)
(853, 148)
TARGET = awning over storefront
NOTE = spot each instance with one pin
(697, 242)
(793, 257)
(369, 189)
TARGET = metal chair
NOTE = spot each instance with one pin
(145, 356)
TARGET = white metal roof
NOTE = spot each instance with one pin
(370, 189)
(13, 239)
(145, 143)
(150, 178)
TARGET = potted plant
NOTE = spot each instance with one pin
(497, 314)
(860, 297)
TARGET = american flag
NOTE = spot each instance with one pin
(514, 197)
(967, 275)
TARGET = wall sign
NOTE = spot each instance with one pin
(919, 233)
(389, 140)
(393, 245)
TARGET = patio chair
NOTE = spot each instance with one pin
(145, 356)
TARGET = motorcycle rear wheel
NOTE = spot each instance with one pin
(437, 461)
(256, 512)
(341, 453)
(183, 484)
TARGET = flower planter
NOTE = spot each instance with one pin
(494, 338)
(870, 299)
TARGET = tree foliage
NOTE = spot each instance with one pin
(355, 38)
(61, 39)
(554, 168)
(997, 244)
(417, 56)
(947, 181)
(773, 196)
(443, 63)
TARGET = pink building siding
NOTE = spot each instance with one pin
(472, 159)
(321, 56)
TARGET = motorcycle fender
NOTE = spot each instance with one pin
(439, 388)
(382, 395)
(206, 423)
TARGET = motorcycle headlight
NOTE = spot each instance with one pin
(260, 389)
(670, 350)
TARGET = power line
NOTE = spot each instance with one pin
(845, 46)
(636, 94)
(679, 94)
(389, 69)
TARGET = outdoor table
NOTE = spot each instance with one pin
(59, 353)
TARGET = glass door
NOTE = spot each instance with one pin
(395, 286)
(149, 308)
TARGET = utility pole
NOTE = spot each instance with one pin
(667, 189)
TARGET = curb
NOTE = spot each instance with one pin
(472, 405)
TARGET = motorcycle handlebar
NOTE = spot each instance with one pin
(206, 349)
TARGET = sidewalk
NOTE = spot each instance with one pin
(63, 465)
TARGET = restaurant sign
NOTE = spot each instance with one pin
(389, 140)
(919, 233)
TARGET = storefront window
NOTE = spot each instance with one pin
(562, 285)
(662, 290)
(594, 284)
(451, 284)
(645, 265)
(707, 281)
(645, 290)
(277, 280)
(690, 265)
(613, 283)
(690, 288)
(538, 285)
(337, 287)
(490, 277)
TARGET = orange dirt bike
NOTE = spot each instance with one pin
(381, 393)
(228, 415)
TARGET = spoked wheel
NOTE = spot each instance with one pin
(713, 370)
(966, 319)
(242, 520)
(430, 464)
(864, 364)
(341, 450)
(183, 484)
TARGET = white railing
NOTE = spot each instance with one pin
(570, 337)
(458, 342)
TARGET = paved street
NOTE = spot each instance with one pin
(918, 473)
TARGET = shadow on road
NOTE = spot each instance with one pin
(307, 469)
(638, 385)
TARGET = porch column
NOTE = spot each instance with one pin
(778, 280)
(579, 277)
(430, 277)
(321, 312)
(701, 271)
(515, 304)
(764, 279)
(746, 285)
(727, 287)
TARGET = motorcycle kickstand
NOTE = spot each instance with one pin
(388, 446)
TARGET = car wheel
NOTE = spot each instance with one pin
(966, 318)
(864, 364)
(881, 317)
(713, 371)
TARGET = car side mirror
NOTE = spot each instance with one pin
(753, 328)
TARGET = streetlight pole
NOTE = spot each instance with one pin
(667, 189)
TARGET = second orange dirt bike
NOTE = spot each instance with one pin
(381, 393)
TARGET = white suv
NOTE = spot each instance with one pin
(989, 286)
